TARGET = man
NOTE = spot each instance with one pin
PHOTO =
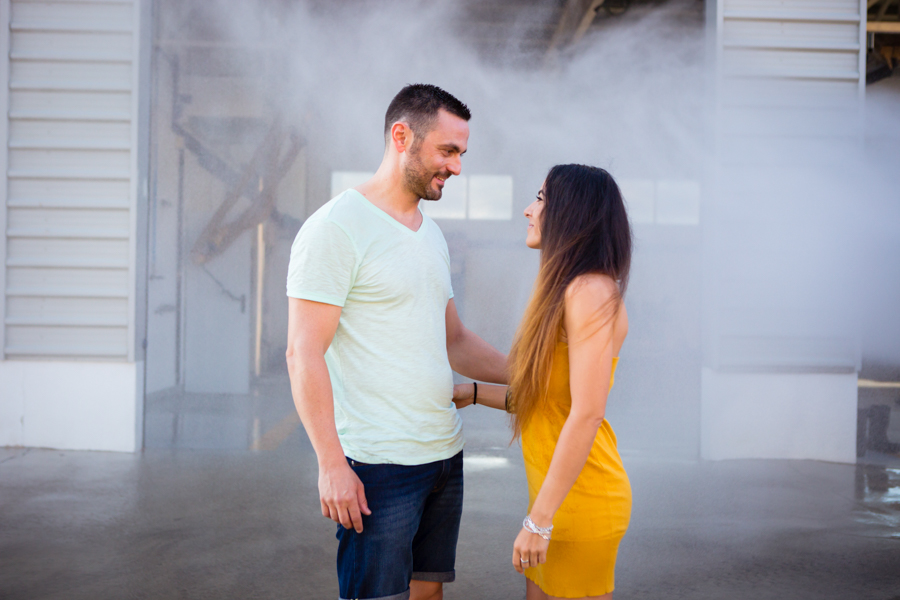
(373, 334)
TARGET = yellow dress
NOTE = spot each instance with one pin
(589, 525)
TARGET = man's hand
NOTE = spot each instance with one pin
(342, 496)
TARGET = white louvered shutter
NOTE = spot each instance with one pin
(69, 248)
(791, 69)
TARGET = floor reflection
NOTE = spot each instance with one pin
(260, 420)
(878, 497)
(243, 524)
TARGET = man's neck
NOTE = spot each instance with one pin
(387, 191)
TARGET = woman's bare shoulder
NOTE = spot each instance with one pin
(592, 288)
(588, 297)
(593, 303)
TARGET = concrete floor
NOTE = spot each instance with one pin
(242, 524)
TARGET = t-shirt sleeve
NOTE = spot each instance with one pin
(323, 263)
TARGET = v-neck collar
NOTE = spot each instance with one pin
(417, 234)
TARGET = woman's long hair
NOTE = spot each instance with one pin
(584, 229)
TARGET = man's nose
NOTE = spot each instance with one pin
(455, 166)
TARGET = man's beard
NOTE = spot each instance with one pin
(418, 178)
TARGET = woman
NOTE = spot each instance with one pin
(561, 370)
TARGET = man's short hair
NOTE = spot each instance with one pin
(418, 105)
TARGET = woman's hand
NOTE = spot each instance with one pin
(529, 550)
(463, 394)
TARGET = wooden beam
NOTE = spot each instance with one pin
(869, 383)
(586, 19)
(574, 21)
(883, 26)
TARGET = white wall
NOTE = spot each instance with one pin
(778, 415)
(73, 76)
(780, 345)
(71, 405)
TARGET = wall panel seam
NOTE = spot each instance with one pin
(135, 179)
(4, 134)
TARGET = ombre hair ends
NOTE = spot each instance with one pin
(584, 229)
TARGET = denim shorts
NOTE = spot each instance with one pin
(411, 533)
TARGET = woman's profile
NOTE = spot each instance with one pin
(561, 369)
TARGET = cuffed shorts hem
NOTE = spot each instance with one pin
(445, 577)
(400, 596)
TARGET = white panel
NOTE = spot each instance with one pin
(4, 196)
(45, 310)
(70, 225)
(490, 197)
(67, 253)
(82, 45)
(789, 90)
(795, 151)
(12, 409)
(69, 405)
(788, 351)
(793, 121)
(92, 16)
(790, 33)
(811, 7)
(87, 283)
(52, 75)
(640, 198)
(677, 202)
(789, 93)
(452, 204)
(60, 133)
(57, 222)
(70, 105)
(100, 342)
(207, 368)
(799, 63)
(341, 181)
(67, 162)
(160, 360)
(771, 415)
(60, 192)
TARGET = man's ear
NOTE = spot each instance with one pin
(401, 136)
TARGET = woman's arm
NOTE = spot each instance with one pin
(493, 396)
(590, 322)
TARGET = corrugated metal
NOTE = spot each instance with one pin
(70, 170)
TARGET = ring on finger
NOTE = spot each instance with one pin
(524, 561)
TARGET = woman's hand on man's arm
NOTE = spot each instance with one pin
(493, 396)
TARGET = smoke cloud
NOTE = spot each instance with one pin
(634, 96)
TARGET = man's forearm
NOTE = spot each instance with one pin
(472, 357)
(311, 389)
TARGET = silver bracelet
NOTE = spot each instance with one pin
(529, 525)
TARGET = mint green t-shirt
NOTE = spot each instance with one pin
(388, 364)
